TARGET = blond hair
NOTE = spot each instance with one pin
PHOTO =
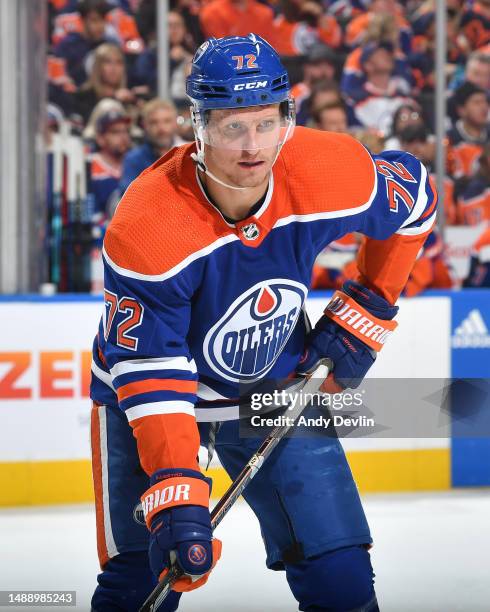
(102, 107)
(100, 55)
(156, 104)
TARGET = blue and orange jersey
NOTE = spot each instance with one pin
(465, 151)
(473, 205)
(479, 274)
(354, 77)
(475, 25)
(104, 180)
(297, 37)
(121, 27)
(431, 270)
(197, 306)
(346, 9)
(356, 30)
(328, 271)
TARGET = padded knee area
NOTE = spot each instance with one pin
(125, 583)
(337, 581)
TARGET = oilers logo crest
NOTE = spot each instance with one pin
(245, 343)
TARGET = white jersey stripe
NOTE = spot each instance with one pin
(159, 363)
(421, 203)
(233, 237)
(109, 537)
(209, 415)
(104, 377)
(207, 394)
(421, 229)
(176, 269)
(142, 410)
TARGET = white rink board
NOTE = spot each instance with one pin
(49, 428)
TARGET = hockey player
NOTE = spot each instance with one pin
(207, 265)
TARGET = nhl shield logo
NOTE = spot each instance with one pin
(250, 231)
(247, 340)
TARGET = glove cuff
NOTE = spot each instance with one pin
(173, 488)
(360, 322)
(371, 301)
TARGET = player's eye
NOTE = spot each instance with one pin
(235, 126)
(266, 125)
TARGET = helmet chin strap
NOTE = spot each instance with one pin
(199, 159)
(201, 164)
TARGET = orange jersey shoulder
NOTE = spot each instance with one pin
(163, 203)
(327, 172)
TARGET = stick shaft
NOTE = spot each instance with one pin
(160, 592)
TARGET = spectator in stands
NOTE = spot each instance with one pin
(471, 131)
(322, 94)
(180, 54)
(73, 50)
(319, 66)
(381, 31)
(336, 263)
(406, 115)
(160, 125)
(113, 142)
(356, 29)
(332, 118)
(382, 92)
(479, 274)
(220, 18)
(107, 79)
(476, 71)
(422, 58)
(415, 139)
(105, 106)
(474, 203)
(475, 24)
(301, 24)
(431, 270)
(119, 24)
(372, 139)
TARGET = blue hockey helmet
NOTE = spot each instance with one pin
(233, 73)
(237, 71)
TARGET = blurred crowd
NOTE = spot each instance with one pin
(365, 67)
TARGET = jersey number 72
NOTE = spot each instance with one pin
(134, 316)
(395, 191)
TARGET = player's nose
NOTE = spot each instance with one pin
(250, 143)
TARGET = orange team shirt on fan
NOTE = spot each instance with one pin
(296, 37)
(195, 306)
(221, 18)
(123, 25)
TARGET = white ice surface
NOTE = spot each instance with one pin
(431, 554)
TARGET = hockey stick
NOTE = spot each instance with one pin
(310, 386)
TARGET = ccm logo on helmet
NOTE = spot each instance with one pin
(254, 85)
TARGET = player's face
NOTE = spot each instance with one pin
(245, 144)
